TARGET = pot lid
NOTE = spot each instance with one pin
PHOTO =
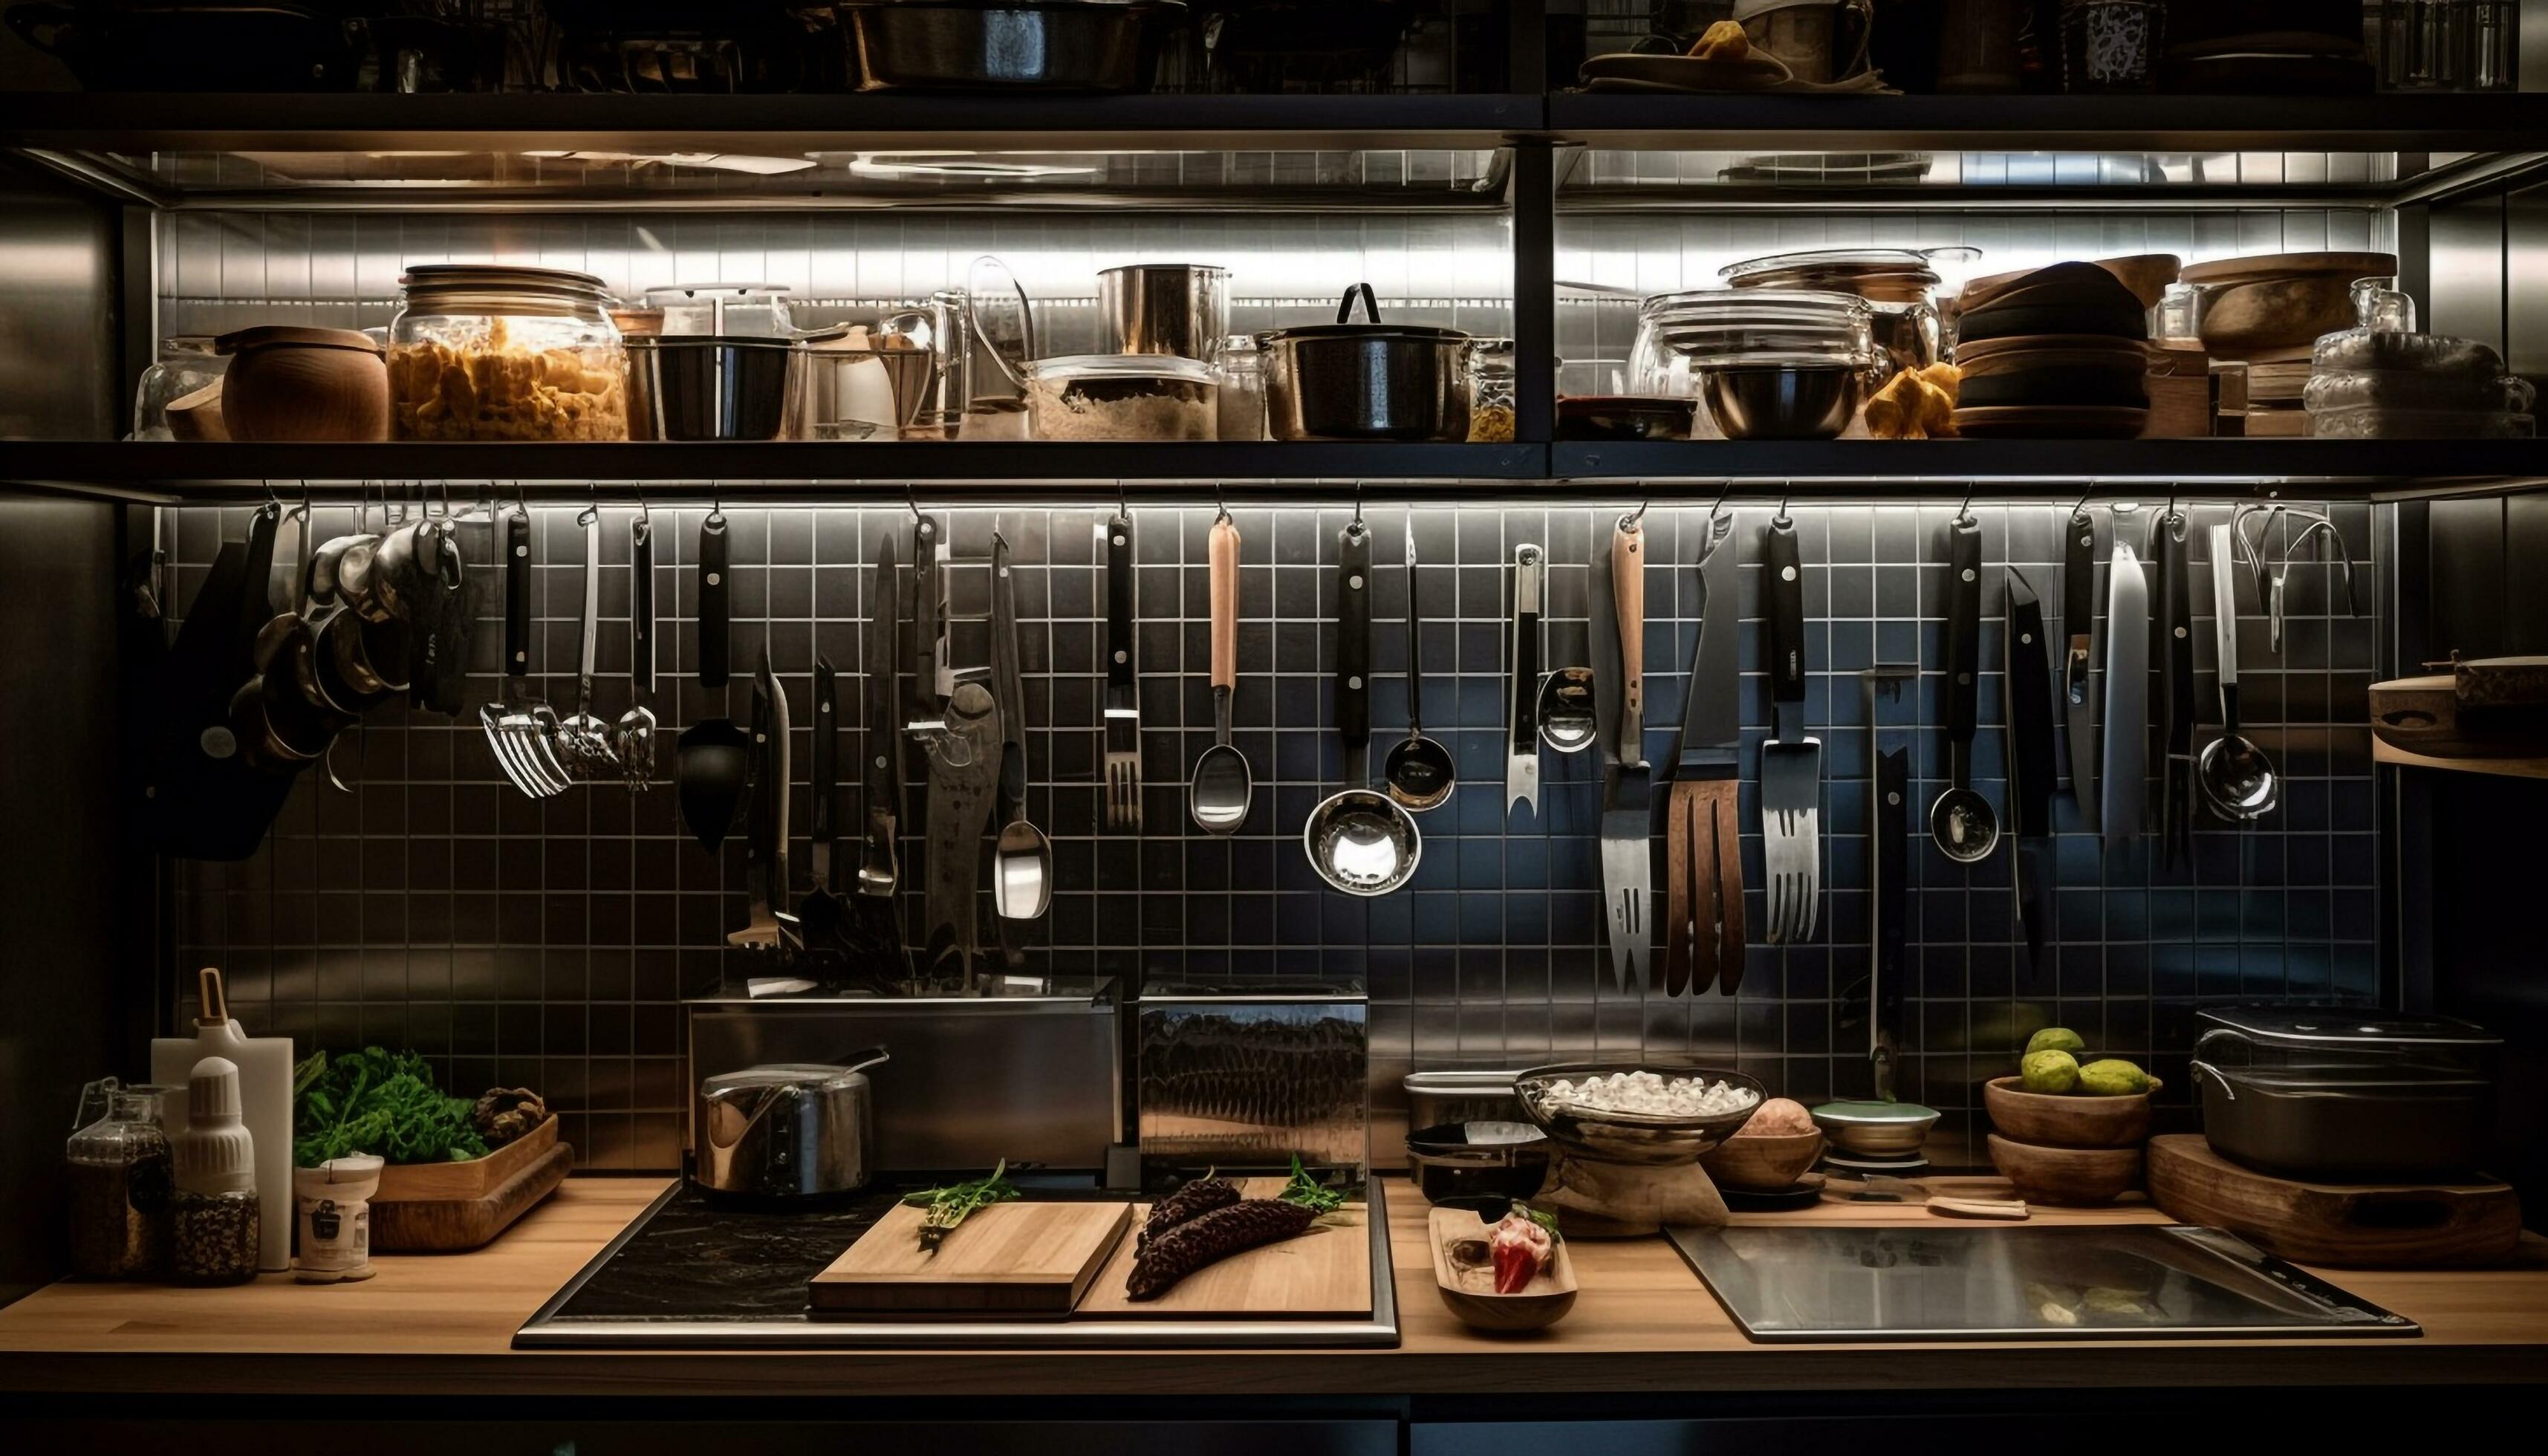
(557, 283)
(1474, 1083)
(2357, 1026)
(1737, 305)
(810, 1076)
(1370, 329)
(1214, 269)
(266, 336)
(1066, 367)
(1842, 260)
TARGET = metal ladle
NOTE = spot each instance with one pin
(1418, 769)
(1359, 840)
(2236, 777)
(1219, 794)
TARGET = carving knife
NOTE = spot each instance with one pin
(2028, 679)
(2078, 625)
(1704, 933)
(1521, 743)
(1628, 820)
(2124, 733)
(2175, 654)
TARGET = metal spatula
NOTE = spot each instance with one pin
(1791, 763)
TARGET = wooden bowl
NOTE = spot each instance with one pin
(1543, 1304)
(2071, 1177)
(2067, 1120)
(2147, 275)
(2278, 312)
(288, 383)
(1764, 1164)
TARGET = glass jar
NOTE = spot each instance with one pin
(212, 1237)
(2448, 45)
(1491, 392)
(1240, 366)
(121, 1175)
(482, 351)
(186, 363)
(2111, 46)
(1120, 397)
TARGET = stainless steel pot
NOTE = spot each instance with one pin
(1372, 381)
(1007, 45)
(788, 1129)
(1180, 309)
(708, 386)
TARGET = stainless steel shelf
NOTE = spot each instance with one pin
(2262, 466)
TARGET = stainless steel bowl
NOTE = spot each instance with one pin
(1004, 46)
(1875, 1129)
(1180, 309)
(1781, 401)
(1633, 1138)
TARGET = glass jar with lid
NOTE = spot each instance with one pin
(484, 351)
(1491, 392)
(121, 1176)
(1120, 397)
(1240, 367)
(186, 363)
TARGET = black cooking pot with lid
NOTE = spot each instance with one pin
(1367, 380)
(2330, 1092)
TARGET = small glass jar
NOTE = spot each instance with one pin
(2112, 46)
(1491, 392)
(121, 1175)
(1240, 367)
(212, 1237)
(482, 351)
(186, 363)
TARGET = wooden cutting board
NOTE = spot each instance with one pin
(1324, 1273)
(2344, 1225)
(1011, 1258)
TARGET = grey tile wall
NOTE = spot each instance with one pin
(550, 944)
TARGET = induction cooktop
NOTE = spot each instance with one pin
(1902, 1282)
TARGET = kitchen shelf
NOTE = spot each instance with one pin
(2387, 123)
(2339, 469)
(2383, 751)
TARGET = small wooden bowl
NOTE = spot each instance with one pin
(2067, 1120)
(2071, 1177)
(1542, 1305)
(1764, 1164)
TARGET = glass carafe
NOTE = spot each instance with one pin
(121, 1176)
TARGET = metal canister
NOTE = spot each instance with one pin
(1180, 309)
(796, 1130)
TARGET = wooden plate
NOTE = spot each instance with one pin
(1021, 1258)
(2051, 423)
(2262, 266)
(1543, 1304)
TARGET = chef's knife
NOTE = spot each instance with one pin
(2028, 679)
(760, 930)
(1521, 742)
(2078, 625)
(881, 745)
(1627, 819)
(1123, 706)
(2124, 733)
(2174, 615)
(930, 685)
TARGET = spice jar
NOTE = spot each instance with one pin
(212, 1235)
(488, 353)
(1491, 392)
(334, 1199)
(120, 1175)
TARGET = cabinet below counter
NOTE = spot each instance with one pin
(442, 1325)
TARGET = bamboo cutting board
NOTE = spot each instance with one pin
(2340, 1224)
(1011, 1258)
(1324, 1273)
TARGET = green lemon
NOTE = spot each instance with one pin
(2051, 1071)
(2111, 1077)
(2056, 1038)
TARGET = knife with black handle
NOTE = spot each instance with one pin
(2174, 617)
(2079, 625)
(716, 667)
(2028, 679)
(1892, 908)
(927, 704)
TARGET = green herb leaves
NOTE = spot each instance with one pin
(380, 1103)
(948, 1206)
(1307, 1192)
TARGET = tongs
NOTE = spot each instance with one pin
(2272, 582)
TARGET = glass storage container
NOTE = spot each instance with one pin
(1120, 397)
(186, 363)
(1239, 367)
(1491, 392)
(121, 1176)
(484, 351)
(2344, 1092)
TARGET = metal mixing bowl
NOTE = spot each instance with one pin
(1633, 1138)
(1875, 1129)
(1781, 401)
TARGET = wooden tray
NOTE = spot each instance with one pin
(1324, 1273)
(476, 1178)
(449, 1225)
(2345, 1226)
(1011, 1258)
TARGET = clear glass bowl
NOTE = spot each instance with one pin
(186, 363)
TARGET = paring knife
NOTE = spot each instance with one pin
(2174, 621)
(1627, 819)
(2125, 731)
(2028, 679)
(1704, 858)
(2078, 625)
(1521, 744)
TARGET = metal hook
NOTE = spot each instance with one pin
(302, 511)
(912, 499)
(593, 512)
(522, 502)
(2079, 510)
(1357, 515)
(1786, 493)
(1964, 511)
(1122, 501)
(1221, 506)
(1630, 522)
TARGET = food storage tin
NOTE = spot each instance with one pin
(484, 351)
(1120, 397)
(743, 310)
(2346, 1092)
(1368, 381)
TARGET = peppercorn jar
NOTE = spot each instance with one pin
(481, 351)
(214, 1218)
(120, 1175)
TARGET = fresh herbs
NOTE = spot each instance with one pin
(1543, 1218)
(380, 1103)
(1309, 1192)
(948, 1206)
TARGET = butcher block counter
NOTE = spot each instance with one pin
(438, 1325)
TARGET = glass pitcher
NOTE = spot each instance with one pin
(121, 1176)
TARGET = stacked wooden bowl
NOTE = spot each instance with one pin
(2067, 1149)
(2267, 312)
(2059, 353)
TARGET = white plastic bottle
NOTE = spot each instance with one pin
(265, 1099)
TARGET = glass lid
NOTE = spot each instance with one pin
(2348, 1026)
(1850, 260)
(1064, 368)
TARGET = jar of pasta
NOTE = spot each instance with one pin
(484, 351)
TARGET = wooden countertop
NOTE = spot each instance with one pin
(443, 1324)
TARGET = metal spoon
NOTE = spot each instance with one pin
(1359, 840)
(1418, 769)
(633, 740)
(1021, 854)
(1566, 722)
(1963, 823)
(583, 738)
(1218, 795)
(2238, 779)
